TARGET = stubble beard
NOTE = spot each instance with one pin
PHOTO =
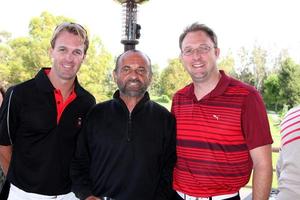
(126, 90)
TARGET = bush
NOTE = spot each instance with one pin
(163, 99)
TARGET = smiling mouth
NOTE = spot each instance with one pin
(67, 66)
(198, 65)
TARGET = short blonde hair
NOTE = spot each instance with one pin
(73, 28)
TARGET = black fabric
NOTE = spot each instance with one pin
(5, 190)
(126, 156)
(42, 149)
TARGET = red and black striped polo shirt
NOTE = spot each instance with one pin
(214, 136)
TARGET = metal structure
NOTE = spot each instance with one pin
(130, 27)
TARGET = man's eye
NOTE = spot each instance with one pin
(141, 71)
(206, 48)
(79, 53)
(188, 51)
(125, 69)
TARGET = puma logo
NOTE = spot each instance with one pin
(216, 117)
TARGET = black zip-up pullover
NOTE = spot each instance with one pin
(123, 155)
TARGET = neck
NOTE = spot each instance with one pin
(130, 102)
(65, 86)
(201, 89)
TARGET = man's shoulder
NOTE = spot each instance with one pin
(102, 108)
(241, 86)
(184, 91)
(293, 111)
(85, 93)
(104, 105)
(159, 107)
(23, 86)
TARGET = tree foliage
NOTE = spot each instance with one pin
(258, 60)
(244, 71)
(173, 77)
(289, 79)
(155, 84)
(22, 57)
(227, 63)
(270, 93)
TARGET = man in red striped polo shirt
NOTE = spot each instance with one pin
(222, 127)
(288, 165)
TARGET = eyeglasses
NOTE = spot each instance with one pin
(203, 48)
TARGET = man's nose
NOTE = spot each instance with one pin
(70, 57)
(197, 54)
(133, 74)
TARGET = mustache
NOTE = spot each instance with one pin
(134, 81)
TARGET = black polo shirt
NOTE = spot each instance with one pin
(42, 148)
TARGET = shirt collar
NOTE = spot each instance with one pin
(217, 91)
(44, 83)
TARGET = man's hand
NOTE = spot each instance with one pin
(92, 198)
(5, 156)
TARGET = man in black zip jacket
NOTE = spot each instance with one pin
(126, 149)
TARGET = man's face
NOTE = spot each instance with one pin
(67, 55)
(199, 56)
(133, 74)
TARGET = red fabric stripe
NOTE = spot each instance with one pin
(291, 140)
(288, 133)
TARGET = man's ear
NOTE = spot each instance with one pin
(150, 78)
(50, 51)
(114, 75)
(180, 57)
(217, 52)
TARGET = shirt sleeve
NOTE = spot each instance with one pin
(165, 190)
(255, 122)
(8, 118)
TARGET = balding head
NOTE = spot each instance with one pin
(133, 73)
(132, 52)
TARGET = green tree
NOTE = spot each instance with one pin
(22, 57)
(244, 71)
(253, 67)
(173, 77)
(96, 72)
(270, 93)
(289, 79)
(5, 54)
(155, 84)
(227, 64)
(258, 61)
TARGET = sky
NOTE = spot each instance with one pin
(271, 24)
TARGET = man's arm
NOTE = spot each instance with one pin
(80, 165)
(5, 156)
(165, 190)
(92, 198)
(262, 172)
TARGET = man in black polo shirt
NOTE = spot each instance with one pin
(40, 120)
